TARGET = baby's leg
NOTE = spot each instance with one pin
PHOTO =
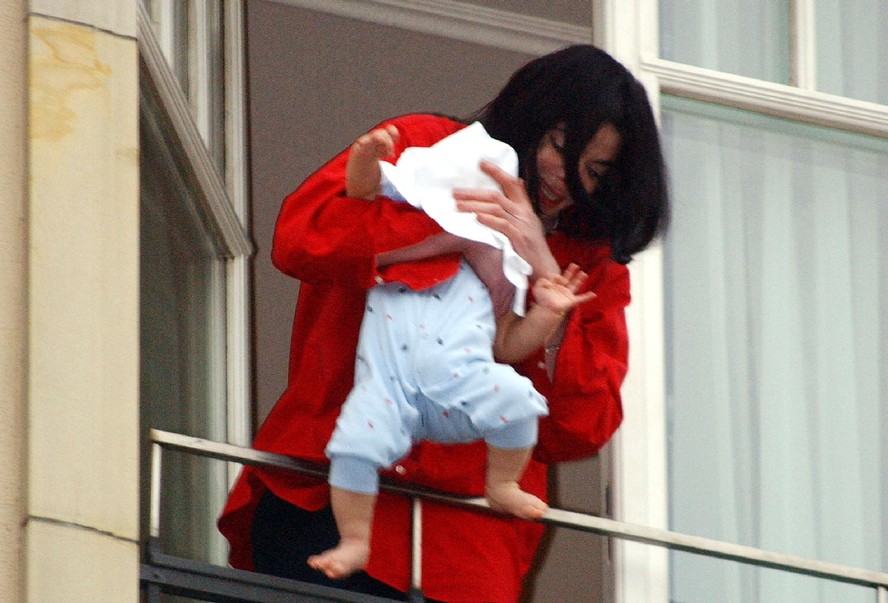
(504, 468)
(353, 486)
(508, 452)
(354, 515)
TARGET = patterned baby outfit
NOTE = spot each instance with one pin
(425, 370)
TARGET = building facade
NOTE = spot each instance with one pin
(70, 335)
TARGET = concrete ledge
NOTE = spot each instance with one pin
(114, 16)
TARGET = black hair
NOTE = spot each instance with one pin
(582, 88)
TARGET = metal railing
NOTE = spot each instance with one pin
(170, 574)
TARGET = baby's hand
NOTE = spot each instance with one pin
(362, 173)
(376, 144)
(558, 293)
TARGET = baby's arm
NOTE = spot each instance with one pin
(487, 263)
(363, 180)
(517, 338)
(362, 173)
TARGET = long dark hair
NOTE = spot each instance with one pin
(582, 87)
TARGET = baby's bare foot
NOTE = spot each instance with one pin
(509, 498)
(343, 560)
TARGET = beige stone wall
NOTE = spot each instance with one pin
(82, 528)
(13, 298)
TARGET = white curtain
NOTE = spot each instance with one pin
(777, 310)
(852, 48)
(744, 37)
(752, 38)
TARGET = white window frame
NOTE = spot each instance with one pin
(222, 200)
(629, 29)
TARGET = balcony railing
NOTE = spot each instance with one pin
(205, 582)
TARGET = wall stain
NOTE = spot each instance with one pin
(63, 61)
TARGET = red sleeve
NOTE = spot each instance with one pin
(585, 407)
(322, 235)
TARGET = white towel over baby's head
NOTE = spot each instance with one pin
(427, 176)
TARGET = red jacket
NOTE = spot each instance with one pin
(328, 241)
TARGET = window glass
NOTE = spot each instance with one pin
(206, 86)
(743, 37)
(192, 37)
(216, 66)
(182, 375)
(852, 48)
(775, 281)
(170, 21)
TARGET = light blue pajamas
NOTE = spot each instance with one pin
(425, 371)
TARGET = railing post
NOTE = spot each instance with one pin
(154, 511)
(881, 594)
(416, 595)
(152, 593)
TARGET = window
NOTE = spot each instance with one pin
(194, 252)
(851, 49)
(182, 342)
(191, 36)
(767, 426)
(774, 289)
(733, 36)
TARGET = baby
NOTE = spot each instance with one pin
(425, 370)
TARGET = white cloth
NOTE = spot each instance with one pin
(426, 177)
